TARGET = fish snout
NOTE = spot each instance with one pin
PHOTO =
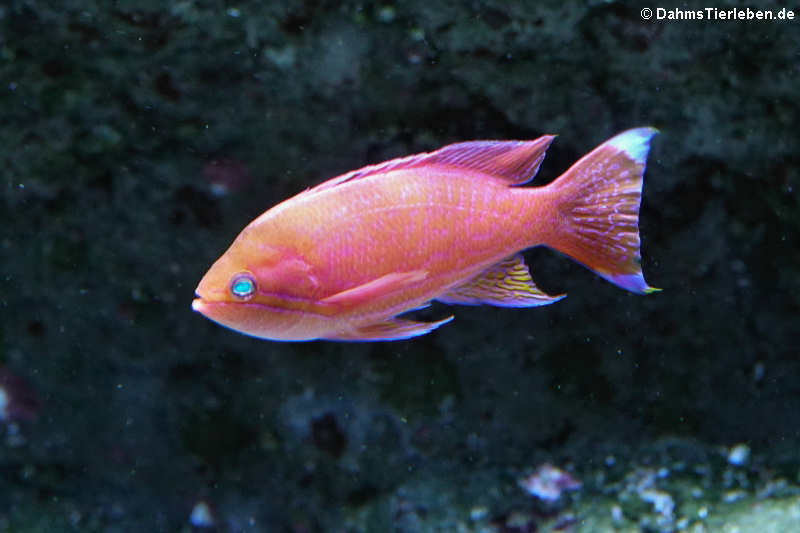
(198, 305)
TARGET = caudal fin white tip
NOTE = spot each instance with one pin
(635, 143)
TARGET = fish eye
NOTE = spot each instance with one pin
(243, 286)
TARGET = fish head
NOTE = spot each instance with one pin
(261, 290)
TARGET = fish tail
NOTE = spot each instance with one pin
(597, 205)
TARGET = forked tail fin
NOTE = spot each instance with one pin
(597, 201)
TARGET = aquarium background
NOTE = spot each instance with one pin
(138, 138)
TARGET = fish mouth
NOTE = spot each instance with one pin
(204, 305)
(203, 301)
(204, 297)
(198, 304)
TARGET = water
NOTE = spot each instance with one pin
(137, 140)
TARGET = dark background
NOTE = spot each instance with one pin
(121, 121)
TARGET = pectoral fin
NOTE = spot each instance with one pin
(363, 293)
(389, 330)
(506, 284)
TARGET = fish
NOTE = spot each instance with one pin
(343, 260)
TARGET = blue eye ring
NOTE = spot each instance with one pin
(243, 286)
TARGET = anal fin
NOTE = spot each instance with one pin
(392, 329)
(505, 284)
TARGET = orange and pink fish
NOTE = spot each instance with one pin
(342, 260)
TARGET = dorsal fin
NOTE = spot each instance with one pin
(514, 162)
